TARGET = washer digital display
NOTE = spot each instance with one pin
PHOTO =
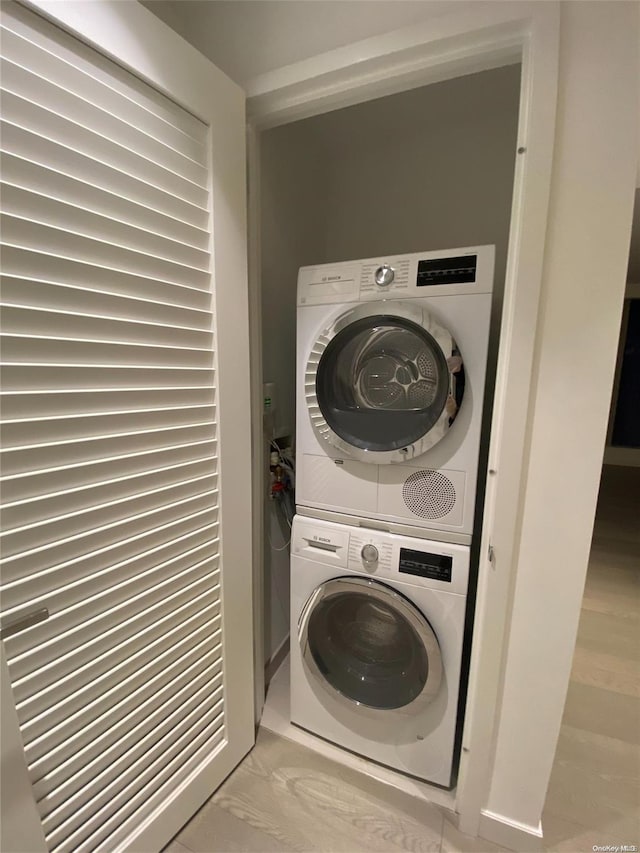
(425, 565)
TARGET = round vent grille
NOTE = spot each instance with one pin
(429, 494)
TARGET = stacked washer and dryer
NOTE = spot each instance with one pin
(391, 369)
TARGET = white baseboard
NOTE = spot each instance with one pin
(509, 833)
(275, 661)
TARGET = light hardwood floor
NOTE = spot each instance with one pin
(285, 797)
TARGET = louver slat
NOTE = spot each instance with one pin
(171, 649)
(128, 638)
(146, 102)
(63, 70)
(31, 484)
(141, 764)
(142, 733)
(30, 233)
(77, 618)
(109, 412)
(31, 263)
(19, 171)
(57, 127)
(58, 587)
(60, 403)
(182, 754)
(38, 90)
(112, 177)
(70, 216)
(29, 560)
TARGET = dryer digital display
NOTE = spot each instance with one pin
(460, 270)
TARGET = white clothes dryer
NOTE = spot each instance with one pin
(377, 625)
(391, 372)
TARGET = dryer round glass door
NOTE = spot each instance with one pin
(384, 384)
(368, 645)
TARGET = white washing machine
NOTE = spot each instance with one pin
(377, 626)
(391, 371)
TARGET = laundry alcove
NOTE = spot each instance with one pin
(425, 169)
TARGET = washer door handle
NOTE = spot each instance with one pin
(307, 610)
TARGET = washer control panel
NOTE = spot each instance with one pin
(378, 554)
(364, 554)
(369, 554)
(384, 275)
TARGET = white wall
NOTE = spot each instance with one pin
(428, 168)
(292, 234)
(589, 223)
(294, 175)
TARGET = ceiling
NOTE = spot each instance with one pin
(247, 38)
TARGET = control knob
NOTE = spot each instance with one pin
(369, 554)
(384, 275)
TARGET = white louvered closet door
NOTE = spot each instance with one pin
(124, 477)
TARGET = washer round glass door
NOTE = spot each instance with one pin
(384, 383)
(369, 645)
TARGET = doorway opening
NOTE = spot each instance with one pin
(431, 168)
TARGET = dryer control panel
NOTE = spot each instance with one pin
(443, 273)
